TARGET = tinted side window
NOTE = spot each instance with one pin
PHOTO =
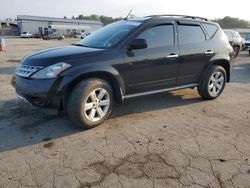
(190, 34)
(211, 29)
(159, 36)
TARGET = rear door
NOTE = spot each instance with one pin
(196, 51)
(155, 67)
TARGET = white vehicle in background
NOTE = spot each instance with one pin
(235, 40)
(26, 35)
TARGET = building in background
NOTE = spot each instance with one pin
(47, 25)
(9, 27)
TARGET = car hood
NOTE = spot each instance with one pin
(68, 54)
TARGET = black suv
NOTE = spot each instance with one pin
(128, 58)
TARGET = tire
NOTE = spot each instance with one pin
(209, 87)
(80, 106)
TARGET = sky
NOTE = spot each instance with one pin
(115, 8)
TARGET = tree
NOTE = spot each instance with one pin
(80, 17)
(104, 19)
(230, 22)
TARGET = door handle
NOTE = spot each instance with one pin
(209, 52)
(172, 56)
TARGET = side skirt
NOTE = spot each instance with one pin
(159, 91)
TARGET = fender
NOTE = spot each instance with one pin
(75, 75)
(219, 59)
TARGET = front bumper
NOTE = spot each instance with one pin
(38, 92)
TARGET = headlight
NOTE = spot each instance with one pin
(51, 71)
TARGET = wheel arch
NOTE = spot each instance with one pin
(115, 82)
(225, 64)
(220, 62)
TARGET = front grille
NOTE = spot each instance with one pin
(26, 70)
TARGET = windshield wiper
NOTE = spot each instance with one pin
(77, 44)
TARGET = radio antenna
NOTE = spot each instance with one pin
(128, 14)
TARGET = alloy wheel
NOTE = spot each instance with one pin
(97, 104)
(216, 83)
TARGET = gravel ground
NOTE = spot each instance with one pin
(173, 139)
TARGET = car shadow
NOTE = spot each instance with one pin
(156, 102)
(22, 124)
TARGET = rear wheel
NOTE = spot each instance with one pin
(90, 103)
(213, 84)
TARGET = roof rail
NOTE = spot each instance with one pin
(178, 15)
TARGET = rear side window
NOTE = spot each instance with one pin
(211, 29)
(158, 36)
(190, 34)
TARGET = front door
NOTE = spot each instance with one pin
(155, 67)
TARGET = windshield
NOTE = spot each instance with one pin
(228, 33)
(109, 35)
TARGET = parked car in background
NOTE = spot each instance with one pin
(85, 34)
(26, 35)
(38, 35)
(54, 36)
(247, 42)
(235, 40)
(127, 59)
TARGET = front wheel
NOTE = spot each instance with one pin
(213, 84)
(90, 103)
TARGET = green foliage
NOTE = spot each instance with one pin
(226, 22)
(104, 19)
(230, 22)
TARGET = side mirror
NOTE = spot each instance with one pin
(137, 44)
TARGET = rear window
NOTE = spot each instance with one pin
(190, 34)
(211, 29)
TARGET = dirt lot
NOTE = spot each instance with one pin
(167, 140)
